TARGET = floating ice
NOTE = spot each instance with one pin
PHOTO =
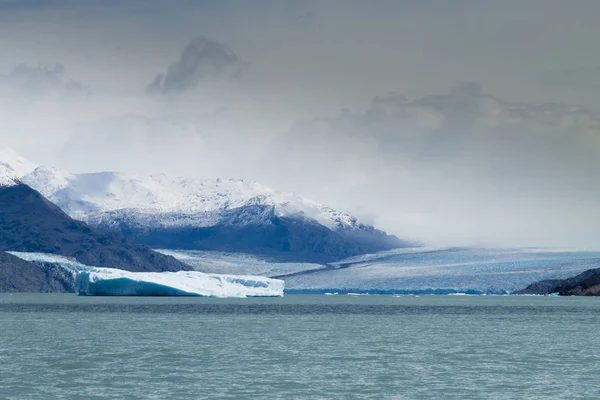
(116, 282)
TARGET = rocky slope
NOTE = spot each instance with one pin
(30, 223)
(585, 284)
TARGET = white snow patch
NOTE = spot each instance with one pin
(7, 177)
(65, 262)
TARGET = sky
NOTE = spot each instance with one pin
(448, 122)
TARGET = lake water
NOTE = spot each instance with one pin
(312, 347)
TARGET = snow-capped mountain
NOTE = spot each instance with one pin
(199, 214)
(13, 167)
(7, 177)
(188, 201)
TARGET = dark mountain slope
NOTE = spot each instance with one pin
(585, 284)
(253, 229)
(31, 223)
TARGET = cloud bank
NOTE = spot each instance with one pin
(24, 80)
(463, 167)
(509, 157)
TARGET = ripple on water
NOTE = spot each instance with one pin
(298, 347)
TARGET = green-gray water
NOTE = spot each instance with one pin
(314, 347)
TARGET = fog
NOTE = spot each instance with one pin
(451, 123)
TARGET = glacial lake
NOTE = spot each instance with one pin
(299, 347)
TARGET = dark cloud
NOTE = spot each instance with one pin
(201, 58)
(41, 80)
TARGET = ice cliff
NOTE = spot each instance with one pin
(115, 282)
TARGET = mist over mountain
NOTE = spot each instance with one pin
(476, 133)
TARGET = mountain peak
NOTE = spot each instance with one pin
(82, 194)
(13, 167)
(7, 177)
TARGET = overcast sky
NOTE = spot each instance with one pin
(451, 122)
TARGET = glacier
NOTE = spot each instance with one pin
(417, 270)
(482, 270)
(217, 262)
(409, 270)
(97, 281)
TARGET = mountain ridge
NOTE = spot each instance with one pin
(210, 214)
(82, 194)
(31, 223)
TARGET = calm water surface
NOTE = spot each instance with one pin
(313, 347)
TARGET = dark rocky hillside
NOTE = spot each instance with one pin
(585, 284)
(31, 223)
(255, 230)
